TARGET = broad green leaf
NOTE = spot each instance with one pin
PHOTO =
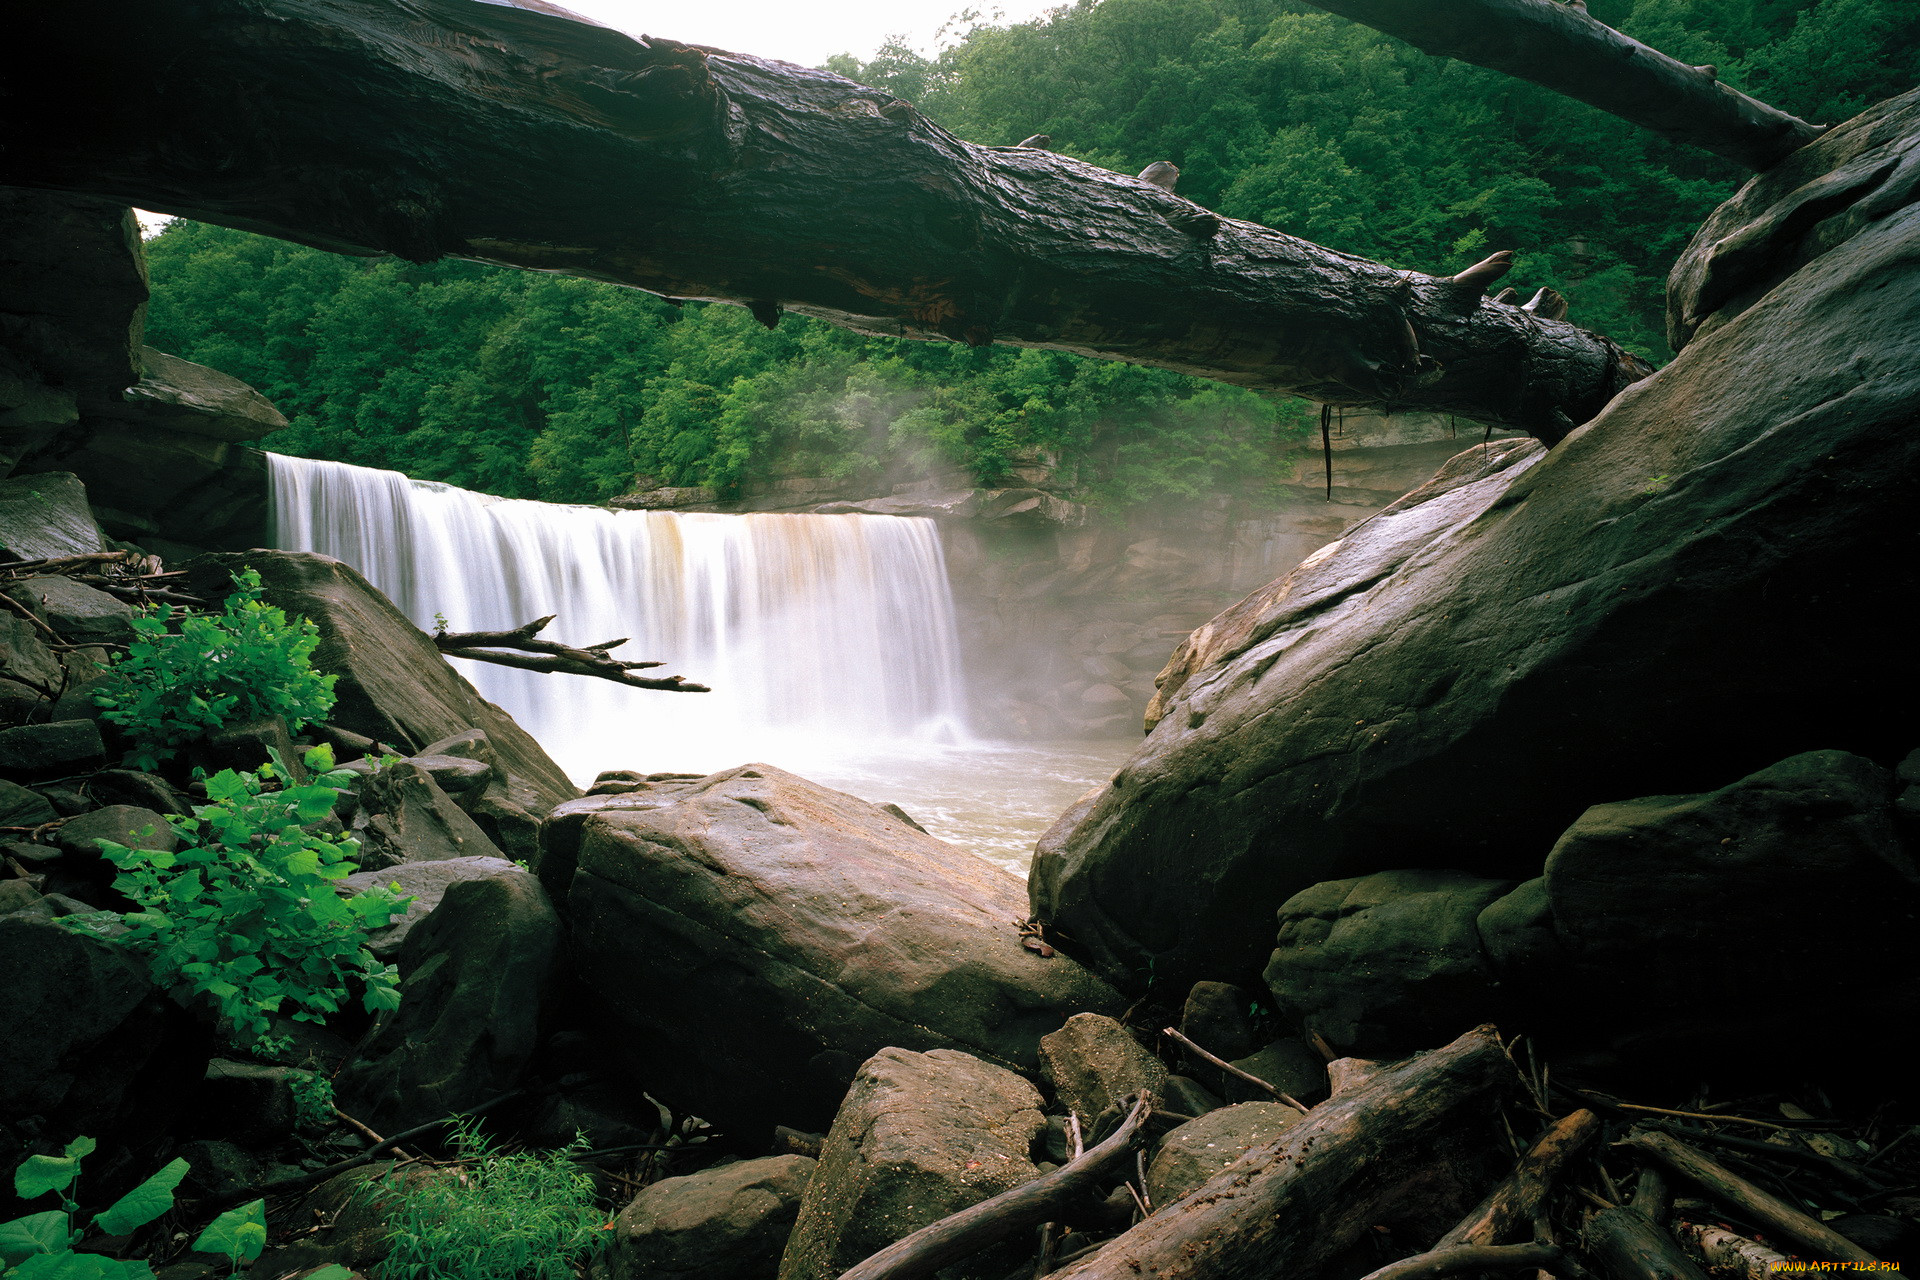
(144, 1203)
(67, 1266)
(34, 1234)
(38, 1175)
(332, 1271)
(82, 1146)
(238, 1233)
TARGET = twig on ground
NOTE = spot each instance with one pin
(1232, 1070)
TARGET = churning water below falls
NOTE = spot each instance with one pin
(828, 641)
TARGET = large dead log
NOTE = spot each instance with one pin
(516, 135)
(1292, 1207)
(1561, 46)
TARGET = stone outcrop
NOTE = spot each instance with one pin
(179, 395)
(425, 884)
(402, 815)
(1700, 581)
(46, 516)
(726, 1223)
(394, 686)
(920, 1136)
(823, 926)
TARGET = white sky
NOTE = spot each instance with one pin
(794, 31)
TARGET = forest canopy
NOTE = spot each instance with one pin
(532, 385)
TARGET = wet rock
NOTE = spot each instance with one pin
(394, 686)
(1094, 1063)
(1385, 963)
(47, 515)
(78, 612)
(125, 824)
(404, 816)
(427, 884)
(920, 1136)
(61, 746)
(352, 1209)
(726, 1223)
(1641, 611)
(1743, 890)
(476, 972)
(1202, 1147)
(20, 807)
(756, 917)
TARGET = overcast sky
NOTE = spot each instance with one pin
(799, 32)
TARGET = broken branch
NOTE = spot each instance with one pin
(1517, 1199)
(1453, 1259)
(1232, 1070)
(550, 656)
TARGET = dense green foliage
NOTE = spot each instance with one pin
(519, 1216)
(534, 385)
(39, 1246)
(245, 912)
(185, 678)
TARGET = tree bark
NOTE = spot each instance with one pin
(1558, 45)
(1516, 1201)
(428, 128)
(1628, 1247)
(1292, 1207)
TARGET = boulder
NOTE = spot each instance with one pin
(760, 918)
(427, 884)
(25, 658)
(508, 808)
(129, 786)
(78, 612)
(60, 746)
(125, 824)
(394, 686)
(1744, 890)
(47, 515)
(1287, 1064)
(560, 834)
(20, 807)
(1216, 1018)
(477, 973)
(87, 1044)
(402, 815)
(724, 1223)
(1385, 963)
(920, 1136)
(1703, 580)
(246, 1102)
(1094, 1063)
(179, 395)
(247, 746)
(1202, 1147)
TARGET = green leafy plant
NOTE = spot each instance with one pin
(246, 914)
(39, 1246)
(312, 1100)
(518, 1216)
(186, 675)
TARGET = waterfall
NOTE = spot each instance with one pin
(817, 633)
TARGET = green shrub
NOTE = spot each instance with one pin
(522, 1216)
(175, 687)
(246, 913)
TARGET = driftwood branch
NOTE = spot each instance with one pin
(437, 128)
(1628, 1247)
(1737, 1193)
(1560, 46)
(1293, 1206)
(1516, 1201)
(1729, 1254)
(974, 1228)
(1451, 1260)
(1232, 1070)
(528, 653)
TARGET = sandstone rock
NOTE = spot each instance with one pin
(1632, 614)
(146, 790)
(476, 975)
(508, 808)
(454, 775)
(1215, 1018)
(762, 918)
(561, 833)
(725, 1223)
(61, 746)
(1094, 1063)
(78, 612)
(246, 1102)
(920, 1136)
(249, 745)
(179, 395)
(1202, 1147)
(1522, 946)
(47, 515)
(1387, 962)
(125, 824)
(394, 686)
(1286, 1064)
(1189, 1097)
(20, 807)
(427, 884)
(18, 895)
(403, 816)
(1744, 891)
(219, 1168)
(24, 656)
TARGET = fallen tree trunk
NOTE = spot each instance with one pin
(427, 128)
(1561, 46)
(1517, 1200)
(1729, 1254)
(1628, 1247)
(1292, 1207)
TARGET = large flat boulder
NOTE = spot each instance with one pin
(47, 515)
(726, 1223)
(1707, 578)
(394, 686)
(179, 395)
(760, 936)
(920, 1136)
